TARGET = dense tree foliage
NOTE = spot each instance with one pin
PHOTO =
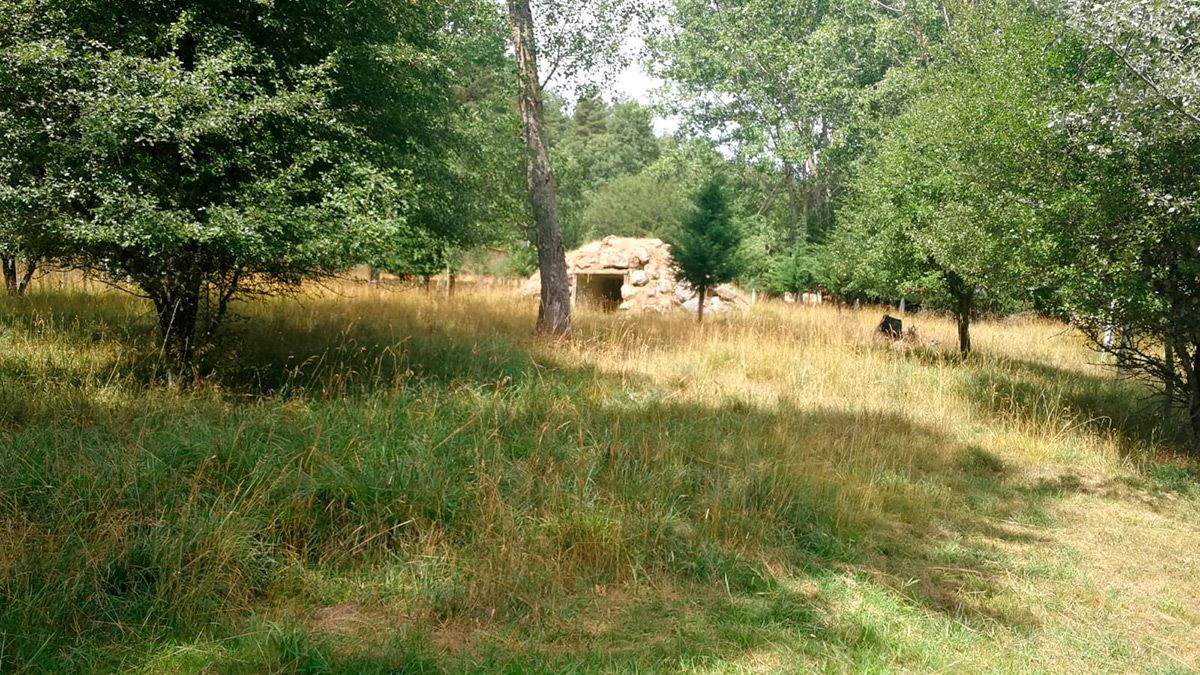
(1156, 44)
(596, 144)
(637, 205)
(1132, 223)
(940, 210)
(480, 201)
(1037, 162)
(793, 89)
(203, 150)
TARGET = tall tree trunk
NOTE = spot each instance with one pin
(554, 310)
(1169, 368)
(964, 298)
(805, 198)
(177, 290)
(964, 330)
(703, 295)
(451, 279)
(427, 283)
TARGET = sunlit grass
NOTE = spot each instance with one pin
(380, 480)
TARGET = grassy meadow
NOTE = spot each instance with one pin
(373, 481)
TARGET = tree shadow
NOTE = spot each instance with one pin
(747, 538)
(1005, 387)
(547, 480)
(362, 349)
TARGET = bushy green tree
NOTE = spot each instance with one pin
(798, 271)
(798, 100)
(941, 210)
(38, 75)
(706, 249)
(210, 149)
(598, 144)
(638, 205)
(1126, 221)
(627, 146)
(479, 199)
(1052, 148)
(1154, 44)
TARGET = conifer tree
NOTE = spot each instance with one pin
(706, 250)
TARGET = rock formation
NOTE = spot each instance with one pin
(637, 275)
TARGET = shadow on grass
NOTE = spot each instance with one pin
(738, 543)
(1041, 394)
(358, 350)
(587, 520)
(367, 347)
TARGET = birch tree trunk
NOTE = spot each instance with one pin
(554, 311)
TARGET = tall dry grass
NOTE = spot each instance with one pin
(380, 479)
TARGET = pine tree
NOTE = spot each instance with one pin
(706, 249)
(590, 116)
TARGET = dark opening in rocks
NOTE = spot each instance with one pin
(599, 290)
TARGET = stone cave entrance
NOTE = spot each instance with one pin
(602, 291)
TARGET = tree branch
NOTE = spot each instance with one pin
(1191, 117)
(550, 74)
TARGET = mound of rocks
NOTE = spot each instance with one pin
(635, 275)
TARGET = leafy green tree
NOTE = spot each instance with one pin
(214, 149)
(479, 200)
(1052, 151)
(1126, 220)
(706, 250)
(1134, 263)
(941, 209)
(1155, 44)
(798, 97)
(1086, 148)
(590, 117)
(627, 146)
(638, 205)
(598, 144)
(871, 255)
(799, 271)
(38, 72)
